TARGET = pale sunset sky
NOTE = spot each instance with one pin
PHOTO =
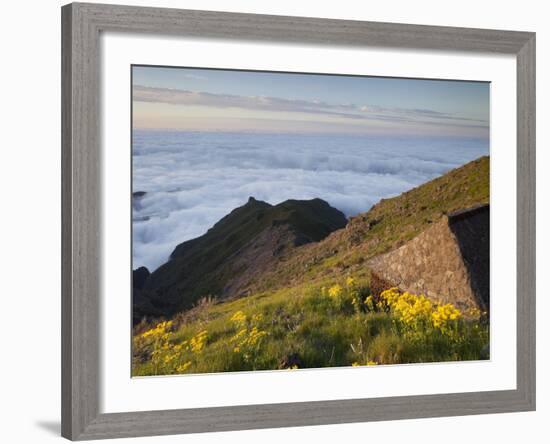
(222, 100)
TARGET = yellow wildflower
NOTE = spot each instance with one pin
(242, 332)
(238, 318)
(198, 341)
(390, 296)
(370, 303)
(182, 367)
(159, 331)
(168, 358)
(443, 314)
(335, 291)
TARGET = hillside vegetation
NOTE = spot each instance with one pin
(387, 225)
(312, 307)
(243, 244)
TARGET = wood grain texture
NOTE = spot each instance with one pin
(258, 27)
(66, 223)
(526, 221)
(81, 231)
(81, 222)
(120, 425)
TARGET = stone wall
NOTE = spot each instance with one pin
(471, 230)
(448, 262)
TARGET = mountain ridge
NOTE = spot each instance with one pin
(244, 242)
(272, 247)
(387, 225)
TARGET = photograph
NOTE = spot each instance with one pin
(286, 221)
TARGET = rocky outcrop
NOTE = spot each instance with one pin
(139, 276)
(448, 262)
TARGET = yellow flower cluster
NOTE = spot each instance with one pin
(183, 367)
(198, 341)
(346, 295)
(443, 314)
(389, 297)
(167, 356)
(354, 294)
(248, 337)
(369, 363)
(335, 292)
(158, 331)
(238, 318)
(412, 308)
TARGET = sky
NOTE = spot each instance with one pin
(206, 140)
(253, 101)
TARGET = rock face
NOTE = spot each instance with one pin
(139, 277)
(142, 307)
(448, 262)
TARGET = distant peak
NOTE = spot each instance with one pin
(318, 200)
(314, 201)
(253, 202)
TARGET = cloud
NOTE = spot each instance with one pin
(313, 107)
(192, 180)
(194, 76)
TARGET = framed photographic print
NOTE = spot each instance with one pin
(278, 221)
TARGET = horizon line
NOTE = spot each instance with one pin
(328, 133)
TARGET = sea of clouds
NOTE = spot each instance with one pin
(193, 179)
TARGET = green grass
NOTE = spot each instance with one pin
(401, 218)
(305, 328)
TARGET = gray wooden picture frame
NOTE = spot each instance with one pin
(81, 171)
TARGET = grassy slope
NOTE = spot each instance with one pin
(306, 329)
(301, 325)
(389, 224)
(201, 267)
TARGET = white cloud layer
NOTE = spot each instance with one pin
(192, 180)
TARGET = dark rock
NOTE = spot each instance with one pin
(136, 199)
(290, 361)
(471, 229)
(379, 284)
(139, 276)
